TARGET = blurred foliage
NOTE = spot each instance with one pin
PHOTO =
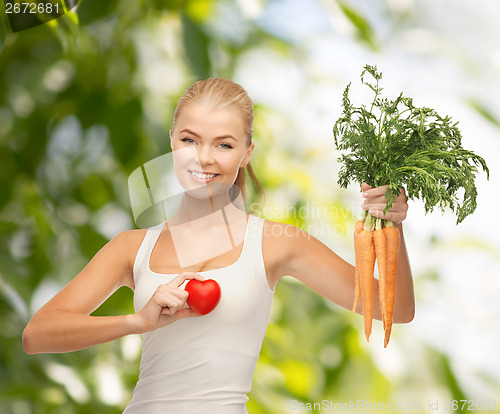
(84, 100)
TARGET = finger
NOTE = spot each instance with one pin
(168, 311)
(181, 294)
(171, 309)
(167, 291)
(374, 192)
(374, 199)
(182, 277)
(192, 275)
(402, 197)
(377, 210)
(395, 217)
(197, 276)
(380, 192)
(396, 207)
(365, 187)
(170, 298)
(174, 305)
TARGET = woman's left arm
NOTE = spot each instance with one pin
(310, 261)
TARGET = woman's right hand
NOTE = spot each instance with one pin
(167, 304)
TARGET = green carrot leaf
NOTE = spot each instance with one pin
(397, 144)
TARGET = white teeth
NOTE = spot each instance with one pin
(202, 175)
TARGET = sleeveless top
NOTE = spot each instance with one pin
(204, 364)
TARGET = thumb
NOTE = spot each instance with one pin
(186, 313)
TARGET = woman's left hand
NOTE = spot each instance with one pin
(375, 203)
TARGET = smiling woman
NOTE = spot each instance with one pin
(216, 155)
(218, 99)
(193, 363)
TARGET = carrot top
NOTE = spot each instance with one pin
(395, 143)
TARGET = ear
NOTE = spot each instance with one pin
(171, 140)
(246, 160)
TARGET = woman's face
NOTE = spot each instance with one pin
(209, 146)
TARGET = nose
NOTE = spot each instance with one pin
(205, 155)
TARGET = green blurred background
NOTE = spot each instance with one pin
(87, 98)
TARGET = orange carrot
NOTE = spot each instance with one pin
(392, 244)
(366, 252)
(380, 251)
(358, 227)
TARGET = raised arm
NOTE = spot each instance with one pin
(299, 254)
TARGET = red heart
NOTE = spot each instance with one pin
(203, 295)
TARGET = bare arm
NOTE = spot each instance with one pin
(64, 323)
(299, 254)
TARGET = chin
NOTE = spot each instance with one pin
(199, 193)
(214, 190)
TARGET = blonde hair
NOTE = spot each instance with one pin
(223, 93)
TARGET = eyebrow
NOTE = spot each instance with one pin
(216, 138)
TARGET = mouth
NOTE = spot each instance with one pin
(202, 177)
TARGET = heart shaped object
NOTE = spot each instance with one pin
(203, 295)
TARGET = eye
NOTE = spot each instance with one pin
(226, 146)
(188, 140)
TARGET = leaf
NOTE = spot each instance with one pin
(89, 11)
(363, 27)
(396, 144)
(3, 27)
(485, 112)
(196, 47)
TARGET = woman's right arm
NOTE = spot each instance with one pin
(64, 323)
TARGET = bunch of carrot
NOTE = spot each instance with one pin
(396, 144)
(376, 240)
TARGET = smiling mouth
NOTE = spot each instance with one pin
(203, 176)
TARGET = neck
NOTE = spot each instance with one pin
(214, 200)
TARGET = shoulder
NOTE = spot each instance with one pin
(129, 238)
(124, 248)
(127, 244)
(281, 242)
(126, 240)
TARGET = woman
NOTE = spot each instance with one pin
(192, 363)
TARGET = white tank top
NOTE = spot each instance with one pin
(204, 364)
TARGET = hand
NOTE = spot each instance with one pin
(167, 304)
(375, 204)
